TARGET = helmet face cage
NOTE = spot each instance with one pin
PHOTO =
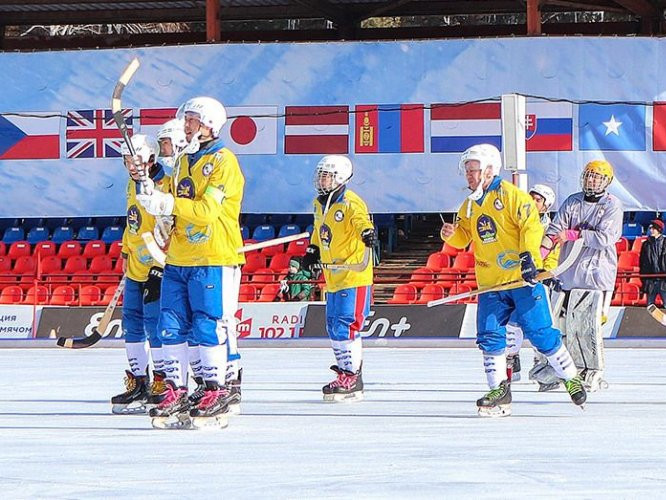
(332, 172)
(596, 177)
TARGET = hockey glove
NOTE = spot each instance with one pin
(553, 283)
(311, 257)
(157, 203)
(368, 237)
(528, 270)
(162, 231)
(152, 286)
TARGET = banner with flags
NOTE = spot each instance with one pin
(549, 126)
(30, 136)
(316, 130)
(611, 127)
(454, 128)
(389, 128)
(152, 119)
(251, 130)
(92, 133)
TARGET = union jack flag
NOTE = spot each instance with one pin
(92, 133)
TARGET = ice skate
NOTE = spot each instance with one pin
(133, 400)
(157, 390)
(593, 380)
(198, 392)
(213, 410)
(497, 402)
(576, 390)
(548, 387)
(173, 411)
(347, 386)
(234, 393)
(513, 367)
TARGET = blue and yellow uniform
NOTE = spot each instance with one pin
(337, 234)
(503, 223)
(208, 191)
(139, 319)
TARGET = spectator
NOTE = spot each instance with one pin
(653, 261)
(291, 288)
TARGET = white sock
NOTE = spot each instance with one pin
(137, 357)
(348, 354)
(495, 366)
(194, 356)
(158, 358)
(514, 338)
(563, 364)
(213, 363)
(175, 363)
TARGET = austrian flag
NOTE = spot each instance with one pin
(316, 130)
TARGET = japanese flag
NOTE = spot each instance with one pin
(251, 130)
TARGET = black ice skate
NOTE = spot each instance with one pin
(513, 367)
(212, 411)
(497, 402)
(348, 386)
(234, 397)
(198, 393)
(133, 400)
(173, 411)
(576, 390)
(157, 390)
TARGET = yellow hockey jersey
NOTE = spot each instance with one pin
(139, 221)
(502, 224)
(208, 194)
(337, 233)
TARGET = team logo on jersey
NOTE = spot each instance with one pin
(144, 255)
(338, 216)
(185, 188)
(325, 235)
(196, 236)
(207, 169)
(498, 204)
(508, 260)
(487, 229)
(133, 219)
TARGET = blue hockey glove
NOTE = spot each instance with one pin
(527, 268)
(553, 283)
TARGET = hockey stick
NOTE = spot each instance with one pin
(100, 330)
(657, 314)
(160, 257)
(357, 267)
(566, 264)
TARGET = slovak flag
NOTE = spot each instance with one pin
(456, 127)
(389, 128)
(251, 130)
(92, 133)
(611, 127)
(31, 136)
(316, 130)
(549, 126)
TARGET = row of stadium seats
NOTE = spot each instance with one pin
(61, 234)
(65, 250)
(61, 295)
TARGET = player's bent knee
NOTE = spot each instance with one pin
(545, 340)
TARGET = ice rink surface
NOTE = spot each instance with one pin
(416, 435)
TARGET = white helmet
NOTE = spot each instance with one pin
(211, 112)
(486, 154)
(337, 166)
(173, 130)
(145, 147)
(546, 193)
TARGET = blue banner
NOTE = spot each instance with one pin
(291, 103)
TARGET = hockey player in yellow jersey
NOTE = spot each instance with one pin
(142, 283)
(503, 223)
(343, 234)
(202, 272)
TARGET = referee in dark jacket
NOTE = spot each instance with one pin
(653, 261)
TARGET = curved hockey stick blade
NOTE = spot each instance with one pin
(566, 264)
(357, 267)
(153, 248)
(657, 314)
(80, 343)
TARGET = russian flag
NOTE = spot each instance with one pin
(456, 127)
(389, 128)
(549, 126)
(30, 136)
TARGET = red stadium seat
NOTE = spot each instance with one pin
(297, 247)
(437, 261)
(5, 265)
(118, 266)
(108, 295)
(449, 250)
(75, 264)
(25, 265)
(19, 249)
(63, 295)
(638, 244)
(263, 276)
(628, 261)
(430, 292)
(101, 264)
(422, 276)
(44, 249)
(94, 248)
(622, 245)
(90, 295)
(69, 249)
(3, 249)
(11, 295)
(115, 249)
(279, 262)
(253, 262)
(463, 261)
(37, 295)
(403, 294)
(50, 265)
(269, 293)
(247, 293)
